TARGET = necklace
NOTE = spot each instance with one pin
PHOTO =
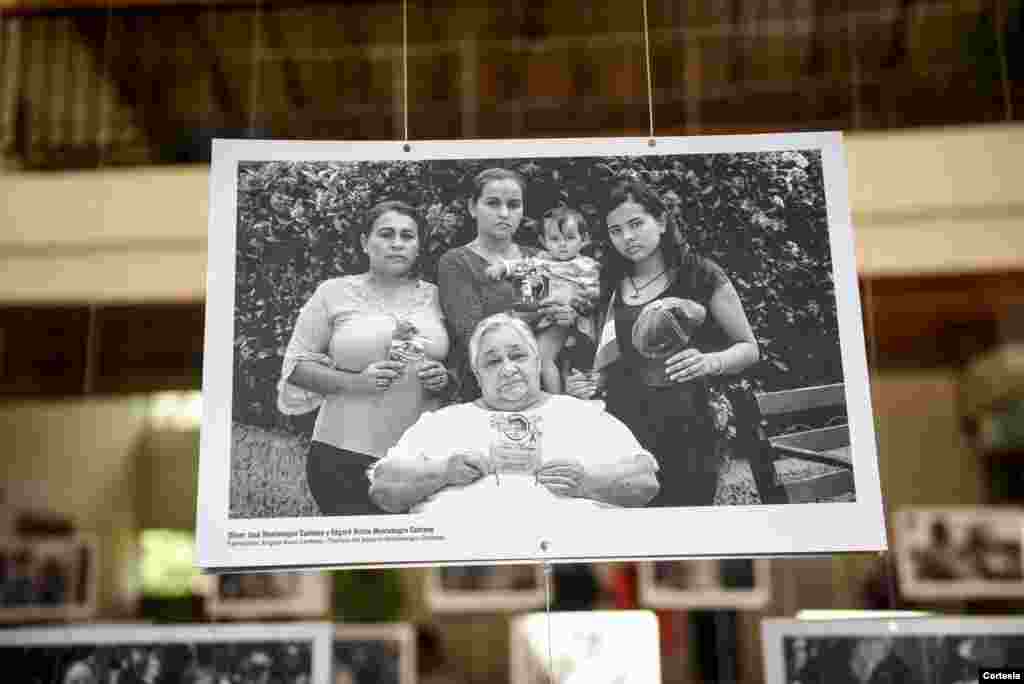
(638, 289)
(512, 251)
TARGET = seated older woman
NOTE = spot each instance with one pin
(515, 445)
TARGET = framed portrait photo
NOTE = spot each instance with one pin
(295, 653)
(375, 654)
(485, 588)
(357, 292)
(48, 579)
(251, 596)
(910, 651)
(737, 583)
(585, 646)
(960, 553)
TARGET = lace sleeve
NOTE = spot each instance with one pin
(308, 343)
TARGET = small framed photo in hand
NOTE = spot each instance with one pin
(375, 654)
(252, 596)
(736, 583)
(958, 553)
(485, 588)
(48, 579)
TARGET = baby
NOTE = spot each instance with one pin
(573, 279)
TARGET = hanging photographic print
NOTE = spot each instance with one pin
(707, 583)
(297, 653)
(960, 553)
(375, 654)
(485, 588)
(268, 595)
(596, 647)
(910, 651)
(464, 352)
(47, 579)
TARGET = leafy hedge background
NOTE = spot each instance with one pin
(761, 216)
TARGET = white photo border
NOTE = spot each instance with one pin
(774, 631)
(624, 534)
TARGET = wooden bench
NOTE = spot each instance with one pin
(828, 446)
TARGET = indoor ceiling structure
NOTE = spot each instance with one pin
(88, 83)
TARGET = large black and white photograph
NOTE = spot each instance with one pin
(486, 588)
(707, 583)
(375, 654)
(960, 553)
(584, 334)
(298, 653)
(596, 647)
(905, 651)
(47, 579)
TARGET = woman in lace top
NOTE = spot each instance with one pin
(367, 350)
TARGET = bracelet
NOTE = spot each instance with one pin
(718, 366)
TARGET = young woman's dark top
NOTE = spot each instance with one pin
(674, 423)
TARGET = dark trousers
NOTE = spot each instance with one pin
(338, 480)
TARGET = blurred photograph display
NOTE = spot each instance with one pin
(47, 579)
(485, 588)
(597, 647)
(737, 583)
(604, 337)
(247, 596)
(375, 654)
(912, 651)
(295, 653)
(960, 553)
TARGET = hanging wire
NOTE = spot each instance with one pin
(647, 62)
(547, 610)
(405, 71)
(255, 59)
(1001, 21)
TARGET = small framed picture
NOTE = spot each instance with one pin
(737, 583)
(375, 654)
(47, 579)
(950, 650)
(960, 553)
(596, 647)
(485, 588)
(250, 596)
(295, 653)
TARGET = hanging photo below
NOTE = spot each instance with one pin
(508, 351)
(960, 553)
(883, 651)
(47, 579)
(485, 588)
(375, 654)
(732, 583)
(596, 647)
(297, 653)
(268, 595)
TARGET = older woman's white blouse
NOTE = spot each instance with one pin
(343, 326)
(567, 427)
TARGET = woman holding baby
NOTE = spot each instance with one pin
(469, 292)
(367, 350)
(659, 391)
